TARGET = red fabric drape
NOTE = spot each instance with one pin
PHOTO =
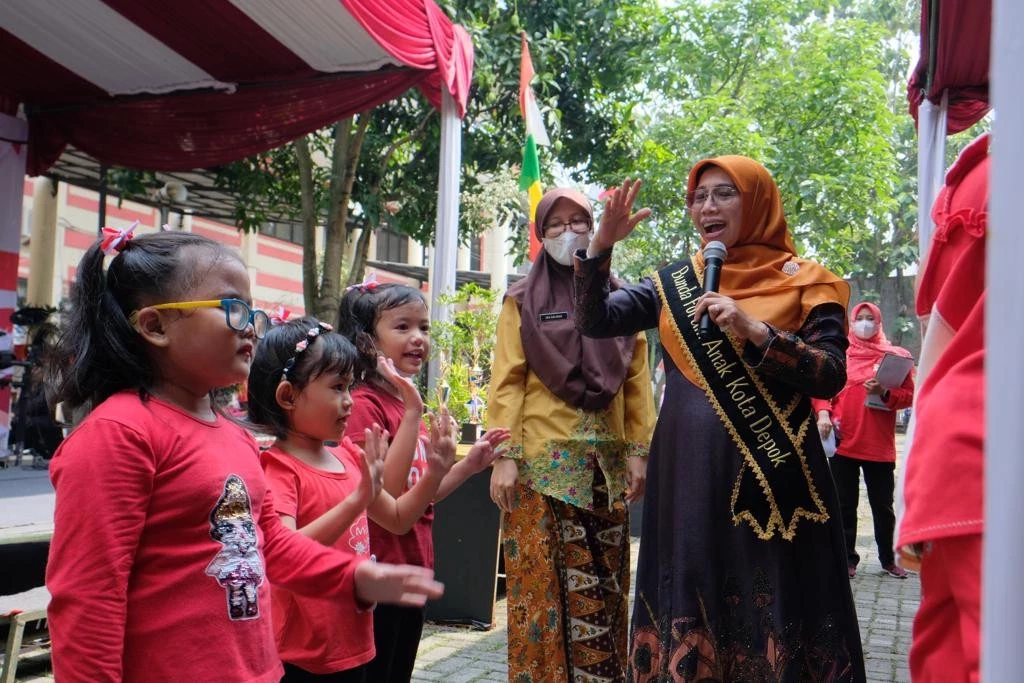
(183, 131)
(961, 61)
(279, 96)
(420, 34)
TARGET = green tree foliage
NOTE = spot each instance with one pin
(798, 86)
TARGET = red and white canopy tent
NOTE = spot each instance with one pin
(965, 44)
(196, 83)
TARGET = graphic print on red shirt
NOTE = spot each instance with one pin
(238, 567)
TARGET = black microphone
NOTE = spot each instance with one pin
(714, 257)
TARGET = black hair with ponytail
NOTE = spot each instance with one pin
(359, 313)
(100, 352)
(327, 353)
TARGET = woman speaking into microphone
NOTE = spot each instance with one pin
(742, 567)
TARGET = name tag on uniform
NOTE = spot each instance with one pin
(549, 317)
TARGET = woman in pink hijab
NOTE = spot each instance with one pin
(866, 435)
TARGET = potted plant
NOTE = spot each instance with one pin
(467, 531)
(464, 346)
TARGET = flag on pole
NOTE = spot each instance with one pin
(529, 176)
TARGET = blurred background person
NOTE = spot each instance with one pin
(867, 435)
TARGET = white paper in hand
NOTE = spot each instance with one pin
(829, 444)
(891, 372)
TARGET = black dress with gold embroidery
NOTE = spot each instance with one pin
(713, 601)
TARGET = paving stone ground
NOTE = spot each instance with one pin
(885, 608)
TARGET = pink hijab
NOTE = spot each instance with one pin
(864, 354)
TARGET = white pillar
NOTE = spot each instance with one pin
(414, 252)
(42, 244)
(1002, 609)
(462, 258)
(931, 166)
(446, 242)
(495, 261)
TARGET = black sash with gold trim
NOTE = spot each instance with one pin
(768, 423)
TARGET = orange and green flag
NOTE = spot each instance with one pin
(529, 177)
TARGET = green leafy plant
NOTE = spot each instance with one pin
(463, 346)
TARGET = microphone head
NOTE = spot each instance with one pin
(715, 250)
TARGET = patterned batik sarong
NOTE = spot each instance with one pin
(567, 577)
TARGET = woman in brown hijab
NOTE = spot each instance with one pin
(581, 412)
(742, 568)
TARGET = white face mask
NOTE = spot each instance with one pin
(865, 329)
(562, 248)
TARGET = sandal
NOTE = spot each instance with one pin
(896, 571)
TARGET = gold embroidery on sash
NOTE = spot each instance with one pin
(775, 520)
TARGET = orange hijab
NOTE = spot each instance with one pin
(762, 272)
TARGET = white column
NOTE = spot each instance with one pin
(415, 253)
(42, 244)
(462, 258)
(495, 259)
(931, 166)
(446, 242)
(1002, 609)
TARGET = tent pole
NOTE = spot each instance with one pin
(446, 240)
(102, 209)
(931, 166)
(1002, 657)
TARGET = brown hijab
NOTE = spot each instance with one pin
(584, 372)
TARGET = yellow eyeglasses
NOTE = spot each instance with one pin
(237, 313)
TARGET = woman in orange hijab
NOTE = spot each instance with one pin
(742, 568)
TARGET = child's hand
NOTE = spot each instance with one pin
(442, 442)
(398, 584)
(407, 390)
(371, 466)
(485, 450)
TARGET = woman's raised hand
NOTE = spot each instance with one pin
(618, 219)
(406, 388)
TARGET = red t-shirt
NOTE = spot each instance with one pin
(867, 433)
(372, 405)
(164, 547)
(318, 635)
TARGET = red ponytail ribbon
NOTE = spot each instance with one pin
(116, 239)
(367, 285)
(281, 317)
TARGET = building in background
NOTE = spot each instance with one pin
(60, 221)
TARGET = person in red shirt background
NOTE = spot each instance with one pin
(867, 436)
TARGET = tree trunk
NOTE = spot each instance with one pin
(347, 150)
(310, 281)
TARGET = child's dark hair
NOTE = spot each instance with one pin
(358, 314)
(100, 352)
(326, 353)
